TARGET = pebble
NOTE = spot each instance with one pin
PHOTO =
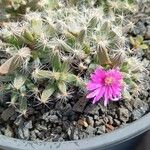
(1, 109)
(4, 98)
(23, 133)
(92, 109)
(109, 127)
(58, 130)
(41, 127)
(80, 105)
(19, 121)
(90, 121)
(33, 135)
(7, 113)
(53, 118)
(50, 117)
(9, 132)
(58, 138)
(110, 120)
(75, 134)
(40, 135)
(139, 112)
(28, 125)
(90, 131)
(72, 116)
(124, 114)
(100, 130)
(83, 122)
(116, 122)
(139, 29)
(105, 119)
(65, 125)
(99, 122)
(147, 35)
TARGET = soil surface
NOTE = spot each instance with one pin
(77, 118)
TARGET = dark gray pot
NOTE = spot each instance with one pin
(120, 139)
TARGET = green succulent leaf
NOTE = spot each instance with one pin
(86, 48)
(103, 56)
(53, 4)
(19, 81)
(117, 60)
(81, 36)
(62, 87)
(92, 23)
(56, 63)
(47, 92)
(23, 105)
(132, 40)
(14, 98)
(144, 46)
(28, 35)
(139, 39)
(10, 65)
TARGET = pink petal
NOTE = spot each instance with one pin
(98, 75)
(100, 72)
(105, 102)
(96, 78)
(115, 99)
(99, 95)
(106, 98)
(92, 86)
(93, 94)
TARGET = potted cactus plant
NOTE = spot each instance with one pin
(69, 71)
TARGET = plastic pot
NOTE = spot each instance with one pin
(121, 139)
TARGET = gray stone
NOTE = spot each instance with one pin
(41, 127)
(53, 118)
(8, 131)
(50, 117)
(28, 125)
(66, 125)
(110, 120)
(1, 109)
(116, 122)
(23, 133)
(19, 121)
(80, 105)
(7, 113)
(105, 119)
(147, 35)
(33, 135)
(92, 109)
(140, 111)
(58, 130)
(75, 134)
(100, 130)
(99, 122)
(90, 121)
(124, 114)
(91, 131)
(23, 130)
(139, 29)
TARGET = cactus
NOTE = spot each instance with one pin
(58, 46)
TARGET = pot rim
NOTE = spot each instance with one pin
(107, 140)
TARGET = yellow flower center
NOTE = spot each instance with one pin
(108, 80)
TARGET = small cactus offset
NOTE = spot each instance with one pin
(48, 53)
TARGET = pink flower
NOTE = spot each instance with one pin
(105, 84)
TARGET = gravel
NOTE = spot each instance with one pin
(7, 113)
